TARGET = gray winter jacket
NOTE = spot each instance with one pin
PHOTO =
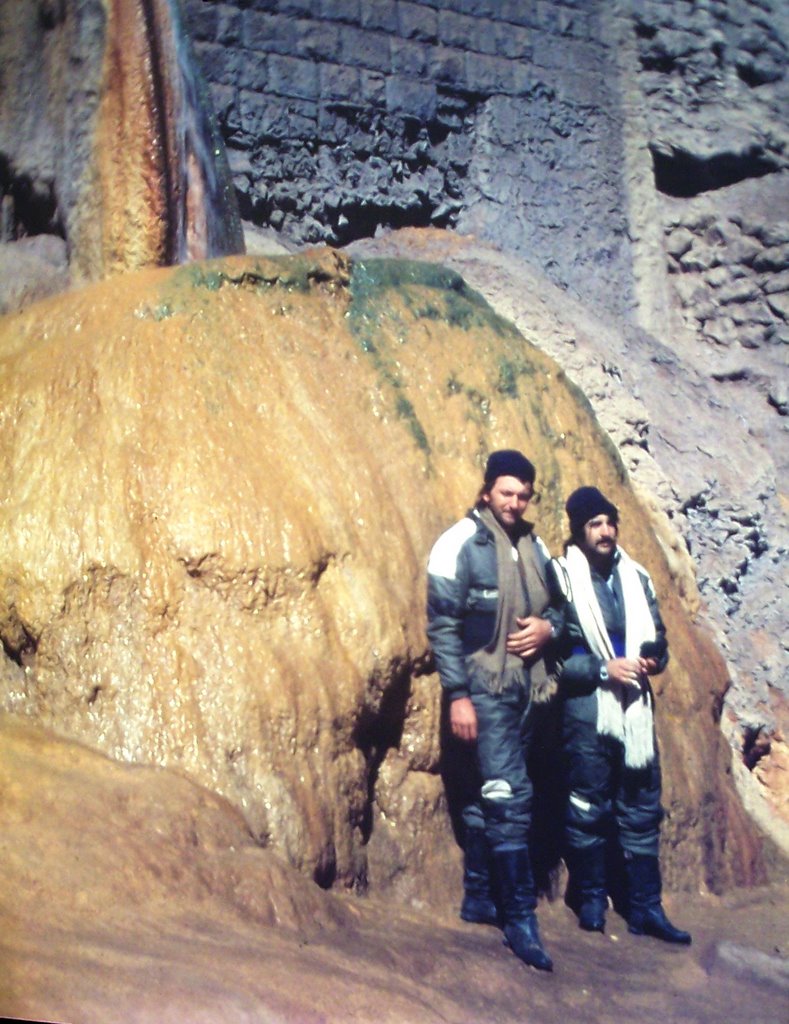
(462, 595)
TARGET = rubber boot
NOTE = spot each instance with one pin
(587, 871)
(478, 906)
(647, 916)
(518, 905)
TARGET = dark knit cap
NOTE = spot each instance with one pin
(509, 462)
(586, 503)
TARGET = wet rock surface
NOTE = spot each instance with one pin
(635, 154)
(223, 484)
(152, 585)
(106, 140)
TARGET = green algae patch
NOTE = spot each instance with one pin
(448, 299)
(293, 274)
(390, 299)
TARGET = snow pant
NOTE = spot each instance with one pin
(604, 798)
(500, 801)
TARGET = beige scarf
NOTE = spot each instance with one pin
(522, 592)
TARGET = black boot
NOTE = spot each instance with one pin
(587, 879)
(647, 916)
(518, 905)
(478, 906)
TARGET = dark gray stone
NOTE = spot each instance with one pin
(417, 22)
(447, 65)
(254, 73)
(520, 12)
(380, 14)
(275, 116)
(265, 32)
(220, 64)
(406, 96)
(348, 11)
(490, 75)
(290, 76)
(202, 20)
(458, 30)
(338, 82)
(229, 26)
(408, 58)
(319, 40)
(511, 41)
(361, 48)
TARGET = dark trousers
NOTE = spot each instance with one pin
(604, 798)
(499, 800)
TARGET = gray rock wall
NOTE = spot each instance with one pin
(495, 118)
(706, 94)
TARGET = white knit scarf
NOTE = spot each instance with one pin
(622, 711)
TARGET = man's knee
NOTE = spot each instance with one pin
(639, 830)
(588, 819)
(507, 812)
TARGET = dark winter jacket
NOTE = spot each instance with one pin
(580, 673)
(462, 594)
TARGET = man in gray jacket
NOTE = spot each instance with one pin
(490, 626)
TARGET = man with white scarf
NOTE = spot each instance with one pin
(614, 639)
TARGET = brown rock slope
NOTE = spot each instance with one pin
(221, 484)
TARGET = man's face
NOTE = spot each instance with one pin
(599, 539)
(507, 499)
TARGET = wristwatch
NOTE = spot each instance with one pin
(603, 673)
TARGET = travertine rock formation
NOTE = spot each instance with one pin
(222, 484)
(635, 152)
(673, 431)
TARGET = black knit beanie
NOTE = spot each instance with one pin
(508, 462)
(586, 503)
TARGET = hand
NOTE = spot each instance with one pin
(533, 634)
(625, 671)
(463, 719)
(649, 666)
